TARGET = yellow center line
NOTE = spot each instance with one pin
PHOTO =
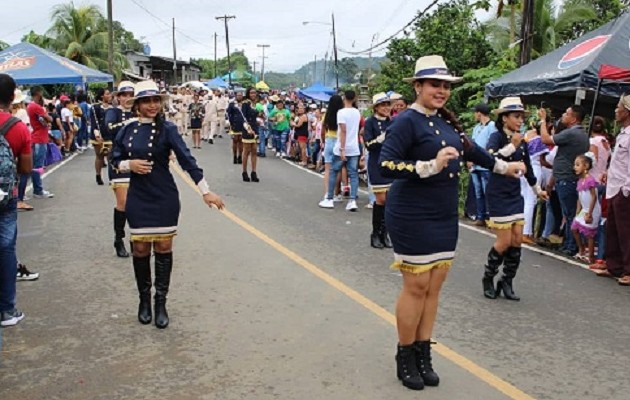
(476, 370)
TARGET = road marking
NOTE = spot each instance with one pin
(470, 228)
(476, 370)
(53, 169)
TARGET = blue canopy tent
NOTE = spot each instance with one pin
(317, 96)
(216, 83)
(317, 87)
(32, 65)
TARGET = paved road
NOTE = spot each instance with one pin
(300, 309)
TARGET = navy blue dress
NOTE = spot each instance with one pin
(505, 203)
(153, 200)
(421, 213)
(114, 120)
(238, 116)
(97, 121)
(374, 127)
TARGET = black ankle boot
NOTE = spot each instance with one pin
(387, 242)
(376, 239)
(491, 270)
(245, 177)
(120, 218)
(99, 180)
(142, 270)
(425, 364)
(235, 159)
(163, 268)
(255, 177)
(407, 368)
(510, 266)
(240, 159)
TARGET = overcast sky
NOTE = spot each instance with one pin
(274, 22)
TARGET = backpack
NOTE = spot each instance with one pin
(8, 170)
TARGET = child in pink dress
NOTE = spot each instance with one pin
(588, 210)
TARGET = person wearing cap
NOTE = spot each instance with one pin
(102, 144)
(617, 181)
(424, 150)
(375, 128)
(506, 206)
(143, 149)
(480, 135)
(116, 118)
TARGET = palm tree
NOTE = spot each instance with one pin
(548, 27)
(3, 45)
(77, 34)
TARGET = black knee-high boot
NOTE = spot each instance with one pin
(383, 231)
(492, 269)
(120, 219)
(163, 268)
(142, 270)
(510, 266)
(377, 220)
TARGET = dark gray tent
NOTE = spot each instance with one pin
(556, 77)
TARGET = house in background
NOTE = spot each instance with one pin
(160, 69)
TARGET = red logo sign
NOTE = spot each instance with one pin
(17, 63)
(580, 52)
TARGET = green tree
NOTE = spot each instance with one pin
(348, 69)
(42, 41)
(601, 12)
(238, 59)
(78, 35)
(3, 45)
(463, 46)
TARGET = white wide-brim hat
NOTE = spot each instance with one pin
(19, 97)
(625, 101)
(510, 104)
(148, 89)
(432, 67)
(380, 98)
(125, 87)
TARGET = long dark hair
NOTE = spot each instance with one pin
(334, 104)
(599, 125)
(249, 89)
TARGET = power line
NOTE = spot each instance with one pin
(395, 34)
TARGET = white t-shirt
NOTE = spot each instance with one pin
(66, 115)
(351, 117)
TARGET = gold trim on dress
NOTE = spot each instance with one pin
(233, 133)
(504, 225)
(380, 190)
(118, 185)
(249, 141)
(158, 237)
(400, 166)
(420, 269)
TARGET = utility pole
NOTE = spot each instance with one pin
(254, 69)
(262, 69)
(225, 19)
(110, 38)
(174, 56)
(335, 51)
(325, 65)
(314, 68)
(215, 54)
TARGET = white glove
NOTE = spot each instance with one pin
(381, 138)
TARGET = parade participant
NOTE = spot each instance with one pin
(374, 136)
(300, 125)
(423, 151)
(588, 211)
(250, 133)
(115, 119)
(505, 203)
(237, 119)
(618, 197)
(143, 148)
(101, 145)
(196, 111)
(221, 107)
(399, 104)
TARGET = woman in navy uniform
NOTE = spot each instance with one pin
(505, 203)
(143, 148)
(250, 133)
(101, 144)
(374, 135)
(236, 118)
(424, 151)
(115, 118)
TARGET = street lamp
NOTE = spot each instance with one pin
(334, 45)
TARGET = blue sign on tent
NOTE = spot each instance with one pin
(32, 65)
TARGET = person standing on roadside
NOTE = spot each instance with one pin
(481, 134)
(39, 122)
(571, 142)
(346, 152)
(618, 196)
(15, 158)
